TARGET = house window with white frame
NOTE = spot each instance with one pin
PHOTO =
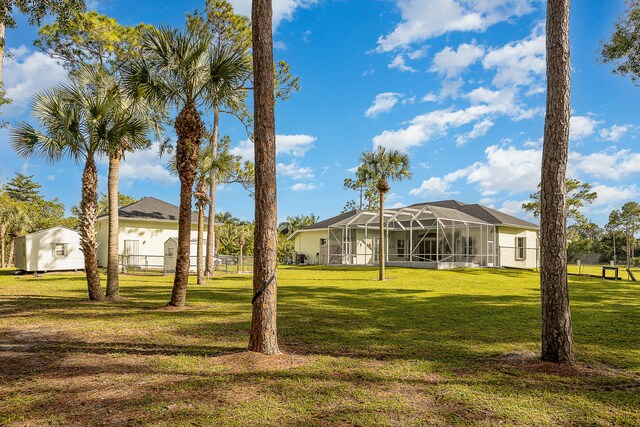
(521, 248)
(59, 250)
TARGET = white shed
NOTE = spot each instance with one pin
(53, 249)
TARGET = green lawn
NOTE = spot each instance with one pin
(423, 348)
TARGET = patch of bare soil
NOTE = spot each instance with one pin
(531, 362)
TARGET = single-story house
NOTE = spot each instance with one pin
(443, 234)
(53, 249)
(144, 227)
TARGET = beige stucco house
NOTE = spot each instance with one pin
(442, 234)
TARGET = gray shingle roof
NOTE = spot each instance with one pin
(150, 208)
(330, 221)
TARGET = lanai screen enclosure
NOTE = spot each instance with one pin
(417, 236)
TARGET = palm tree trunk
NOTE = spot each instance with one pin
(189, 128)
(200, 258)
(12, 245)
(556, 315)
(88, 241)
(211, 229)
(382, 240)
(113, 287)
(264, 334)
(3, 230)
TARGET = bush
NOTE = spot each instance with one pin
(634, 262)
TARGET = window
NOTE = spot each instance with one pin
(521, 248)
(59, 249)
(400, 248)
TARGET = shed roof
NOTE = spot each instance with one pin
(152, 209)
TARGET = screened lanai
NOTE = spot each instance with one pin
(418, 236)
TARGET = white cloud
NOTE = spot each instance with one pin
(451, 88)
(451, 63)
(304, 187)
(27, 73)
(614, 133)
(399, 63)
(383, 103)
(282, 9)
(294, 171)
(430, 97)
(422, 20)
(582, 127)
(479, 130)
(613, 165)
(612, 195)
(519, 63)
(433, 187)
(146, 165)
(291, 145)
(436, 123)
(506, 169)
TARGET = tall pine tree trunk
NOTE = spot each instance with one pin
(189, 128)
(264, 334)
(556, 315)
(113, 286)
(211, 229)
(382, 241)
(88, 241)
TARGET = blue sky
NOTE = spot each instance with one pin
(459, 85)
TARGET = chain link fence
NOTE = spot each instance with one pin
(163, 265)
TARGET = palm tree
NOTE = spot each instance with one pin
(152, 117)
(80, 120)
(181, 69)
(264, 333)
(18, 222)
(378, 167)
(556, 316)
(217, 167)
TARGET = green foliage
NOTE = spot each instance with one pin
(379, 166)
(91, 38)
(579, 194)
(37, 10)
(623, 49)
(85, 117)
(229, 236)
(368, 193)
(24, 194)
(23, 188)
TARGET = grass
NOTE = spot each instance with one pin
(423, 348)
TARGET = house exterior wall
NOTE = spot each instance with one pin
(151, 236)
(507, 241)
(35, 252)
(308, 243)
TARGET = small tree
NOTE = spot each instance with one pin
(579, 194)
(80, 120)
(623, 49)
(378, 167)
(182, 69)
